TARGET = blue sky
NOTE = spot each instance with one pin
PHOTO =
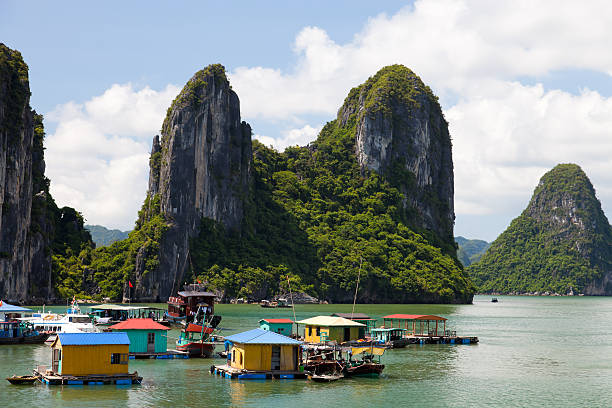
(524, 86)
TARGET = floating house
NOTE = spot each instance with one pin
(261, 354)
(417, 325)
(13, 331)
(369, 322)
(146, 336)
(89, 358)
(321, 329)
(280, 326)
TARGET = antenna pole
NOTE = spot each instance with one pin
(356, 287)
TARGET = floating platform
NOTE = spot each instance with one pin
(168, 355)
(120, 379)
(236, 373)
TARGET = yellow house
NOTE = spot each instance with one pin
(85, 354)
(320, 329)
(263, 351)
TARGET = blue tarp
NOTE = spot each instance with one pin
(259, 336)
(6, 308)
(92, 339)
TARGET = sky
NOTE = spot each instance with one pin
(524, 85)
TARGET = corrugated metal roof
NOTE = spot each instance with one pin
(139, 324)
(276, 320)
(260, 336)
(400, 316)
(190, 293)
(353, 316)
(8, 308)
(330, 321)
(92, 339)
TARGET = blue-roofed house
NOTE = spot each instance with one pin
(87, 354)
(263, 351)
(8, 311)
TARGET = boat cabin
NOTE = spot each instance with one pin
(146, 335)
(321, 329)
(86, 354)
(263, 350)
(388, 335)
(417, 325)
(369, 322)
(186, 304)
(280, 326)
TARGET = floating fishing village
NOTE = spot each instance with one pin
(95, 348)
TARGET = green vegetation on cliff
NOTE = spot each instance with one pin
(315, 214)
(561, 242)
(470, 250)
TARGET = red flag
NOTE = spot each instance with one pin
(130, 283)
(199, 281)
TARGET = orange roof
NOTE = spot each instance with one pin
(138, 324)
(196, 328)
(277, 320)
(413, 317)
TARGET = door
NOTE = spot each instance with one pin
(276, 351)
(57, 356)
(347, 333)
(151, 343)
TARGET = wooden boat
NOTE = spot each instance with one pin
(197, 338)
(183, 307)
(494, 300)
(22, 379)
(364, 369)
(15, 332)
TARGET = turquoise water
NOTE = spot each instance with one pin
(533, 351)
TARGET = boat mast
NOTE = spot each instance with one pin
(291, 296)
(356, 287)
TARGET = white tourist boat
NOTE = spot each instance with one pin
(74, 321)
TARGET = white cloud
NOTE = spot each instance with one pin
(473, 53)
(293, 137)
(97, 158)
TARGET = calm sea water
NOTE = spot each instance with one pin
(533, 351)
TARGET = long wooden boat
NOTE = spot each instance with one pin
(22, 379)
(195, 340)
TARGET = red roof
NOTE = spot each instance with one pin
(138, 324)
(196, 328)
(413, 317)
(277, 320)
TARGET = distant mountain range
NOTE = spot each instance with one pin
(102, 236)
(470, 250)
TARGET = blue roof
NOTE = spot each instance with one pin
(92, 339)
(6, 308)
(260, 336)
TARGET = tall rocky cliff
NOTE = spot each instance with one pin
(199, 169)
(561, 243)
(25, 262)
(32, 227)
(401, 133)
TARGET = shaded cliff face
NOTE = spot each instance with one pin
(200, 169)
(561, 243)
(32, 227)
(401, 133)
(25, 269)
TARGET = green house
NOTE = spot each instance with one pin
(280, 326)
(146, 335)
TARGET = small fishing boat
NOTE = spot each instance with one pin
(197, 338)
(22, 379)
(182, 308)
(494, 300)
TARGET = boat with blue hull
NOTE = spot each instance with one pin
(13, 331)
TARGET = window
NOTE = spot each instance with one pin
(119, 358)
(234, 356)
(310, 330)
(318, 331)
(240, 358)
(150, 338)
